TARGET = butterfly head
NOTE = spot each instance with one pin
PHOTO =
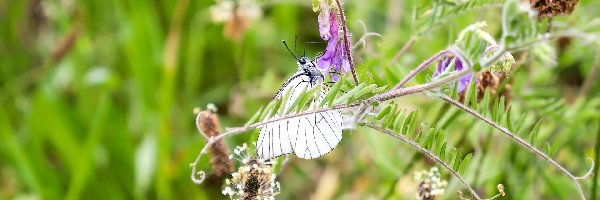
(305, 63)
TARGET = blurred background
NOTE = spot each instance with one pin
(97, 99)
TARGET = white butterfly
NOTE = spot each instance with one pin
(308, 136)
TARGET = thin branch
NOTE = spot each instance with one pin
(366, 34)
(590, 171)
(420, 88)
(362, 39)
(427, 153)
(404, 48)
(421, 67)
(346, 42)
(518, 140)
(198, 177)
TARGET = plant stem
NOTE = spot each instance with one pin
(346, 42)
(420, 68)
(404, 48)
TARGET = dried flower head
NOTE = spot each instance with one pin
(551, 8)
(208, 123)
(335, 59)
(253, 180)
(430, 184)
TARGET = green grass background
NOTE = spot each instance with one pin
(96, 101)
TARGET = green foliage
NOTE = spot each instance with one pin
(518, 23)
(429, 14)
(395, 118)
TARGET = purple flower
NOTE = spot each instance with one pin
(335, 57)
(324, 22)
(464, 81)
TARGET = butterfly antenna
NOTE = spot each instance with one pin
(286, 46)
(295, 42)
(304, 54)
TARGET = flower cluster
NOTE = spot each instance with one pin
(335, 58)
(431, 185)
(253, 180)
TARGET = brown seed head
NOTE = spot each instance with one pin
(551, 8)
(208, 123)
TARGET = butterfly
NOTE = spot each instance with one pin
(308, 136)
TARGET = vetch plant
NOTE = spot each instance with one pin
(473, 66)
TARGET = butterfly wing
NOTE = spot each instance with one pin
(309, 136)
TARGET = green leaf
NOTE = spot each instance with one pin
(405, 128)
(331, 94)
(535, 132)
(399, 118)
(380, 89)
(465, 163)
(471, 94)
(277, 106)
(429, 14)
(511, 128)
(457, 160)
(518, 26)
(451, 156)
(383, 112)
(474, 41)
(284, 100)
(298, 100)
(362, 92)
(494, 111)
(267, 111)
(254, 117)
(430, 137)
(500, 110)
(307, 100)
(552, 150)
(485, 102)
(389, 119)
(413, 124)
(440, 136)
(349, 94)
(455, 90)
(442, 151)
(520, 122)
